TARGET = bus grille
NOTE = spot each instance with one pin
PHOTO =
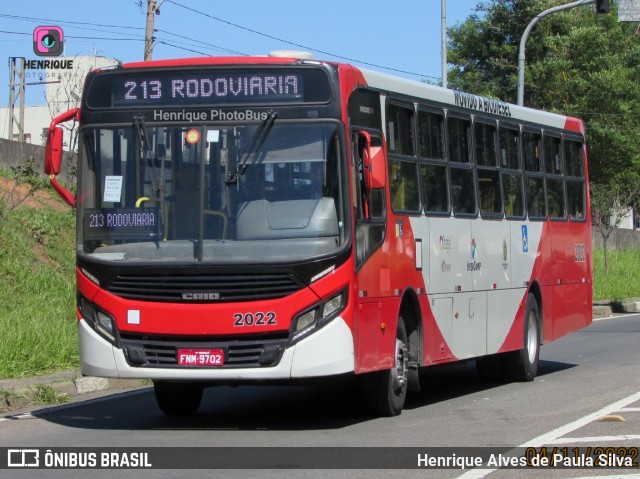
(215, 288)
(161, 351)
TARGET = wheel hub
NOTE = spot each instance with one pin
(401, 367)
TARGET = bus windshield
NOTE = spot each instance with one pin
(270, 191)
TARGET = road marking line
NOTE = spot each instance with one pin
(571, 440)
(14, 417)
(555, 434)
(630, 409)
(615, 476)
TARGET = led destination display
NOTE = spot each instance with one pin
(208, 88)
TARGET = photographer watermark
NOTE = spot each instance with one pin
(48, 41)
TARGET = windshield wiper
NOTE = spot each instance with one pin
(156, 183)
(138, 123)
(254, 145)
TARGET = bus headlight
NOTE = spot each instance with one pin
(317, 316)
(101, 321)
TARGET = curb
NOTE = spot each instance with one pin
(631, 307)
(601, 310)
(59, 388)
(608, 308)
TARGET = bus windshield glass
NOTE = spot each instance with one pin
(270, 191)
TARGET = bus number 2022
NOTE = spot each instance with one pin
(254, 319)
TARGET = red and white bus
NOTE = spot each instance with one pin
(263, 219)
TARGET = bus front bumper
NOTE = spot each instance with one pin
(329, 351)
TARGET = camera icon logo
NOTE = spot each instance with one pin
(48, 41)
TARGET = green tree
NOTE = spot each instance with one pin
(578, 63)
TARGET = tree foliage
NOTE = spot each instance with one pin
(578, 63)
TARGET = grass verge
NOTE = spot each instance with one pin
(622, 280)
(37, 290)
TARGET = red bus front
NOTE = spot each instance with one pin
(214, 229)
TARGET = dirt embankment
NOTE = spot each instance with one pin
(23, 195)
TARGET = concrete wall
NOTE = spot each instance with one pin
(620, 239)
(13, 153)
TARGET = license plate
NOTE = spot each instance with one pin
(200, 357)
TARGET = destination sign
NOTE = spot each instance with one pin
(121, 223)
(207, 88)
(486, 105)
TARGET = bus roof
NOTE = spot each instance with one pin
(391, 84)
(471, 102)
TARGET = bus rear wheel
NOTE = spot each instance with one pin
(385, 391)
(176, 398)
(523, 365)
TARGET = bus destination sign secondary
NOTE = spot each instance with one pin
(207, 88)
(121, 223)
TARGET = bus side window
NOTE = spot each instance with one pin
(509, 140)
(536, 201)
(574, 171)
(403, 185)
(553, 166)
(435, 193)
(431, 135)
(512, 192)
(534, 181)
(552, 157)
(463, 191)
(458, 130)
(489, 189)
(532, 144)
(400, 133)
(555, 198)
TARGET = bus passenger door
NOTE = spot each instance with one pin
(372, 261)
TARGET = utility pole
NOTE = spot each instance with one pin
(443, 41)
(16, 93)
(525, 36)
(152, 10)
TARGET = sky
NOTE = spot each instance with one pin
(399, 37)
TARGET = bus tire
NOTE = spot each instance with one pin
(523, 364)
(385, 391)
(176, 398)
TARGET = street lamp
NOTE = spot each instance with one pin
(525, 35)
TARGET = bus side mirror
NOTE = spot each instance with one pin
(373, 164)
(53, 151)
(53, 154)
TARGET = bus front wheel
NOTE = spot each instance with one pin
(176, 398)
(385, 391)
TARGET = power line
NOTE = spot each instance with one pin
(297, 44)
(71, 22)
(82, 38)
(212, 17)
(217, 47)
(162, 42)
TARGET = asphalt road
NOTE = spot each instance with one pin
(588, 375)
